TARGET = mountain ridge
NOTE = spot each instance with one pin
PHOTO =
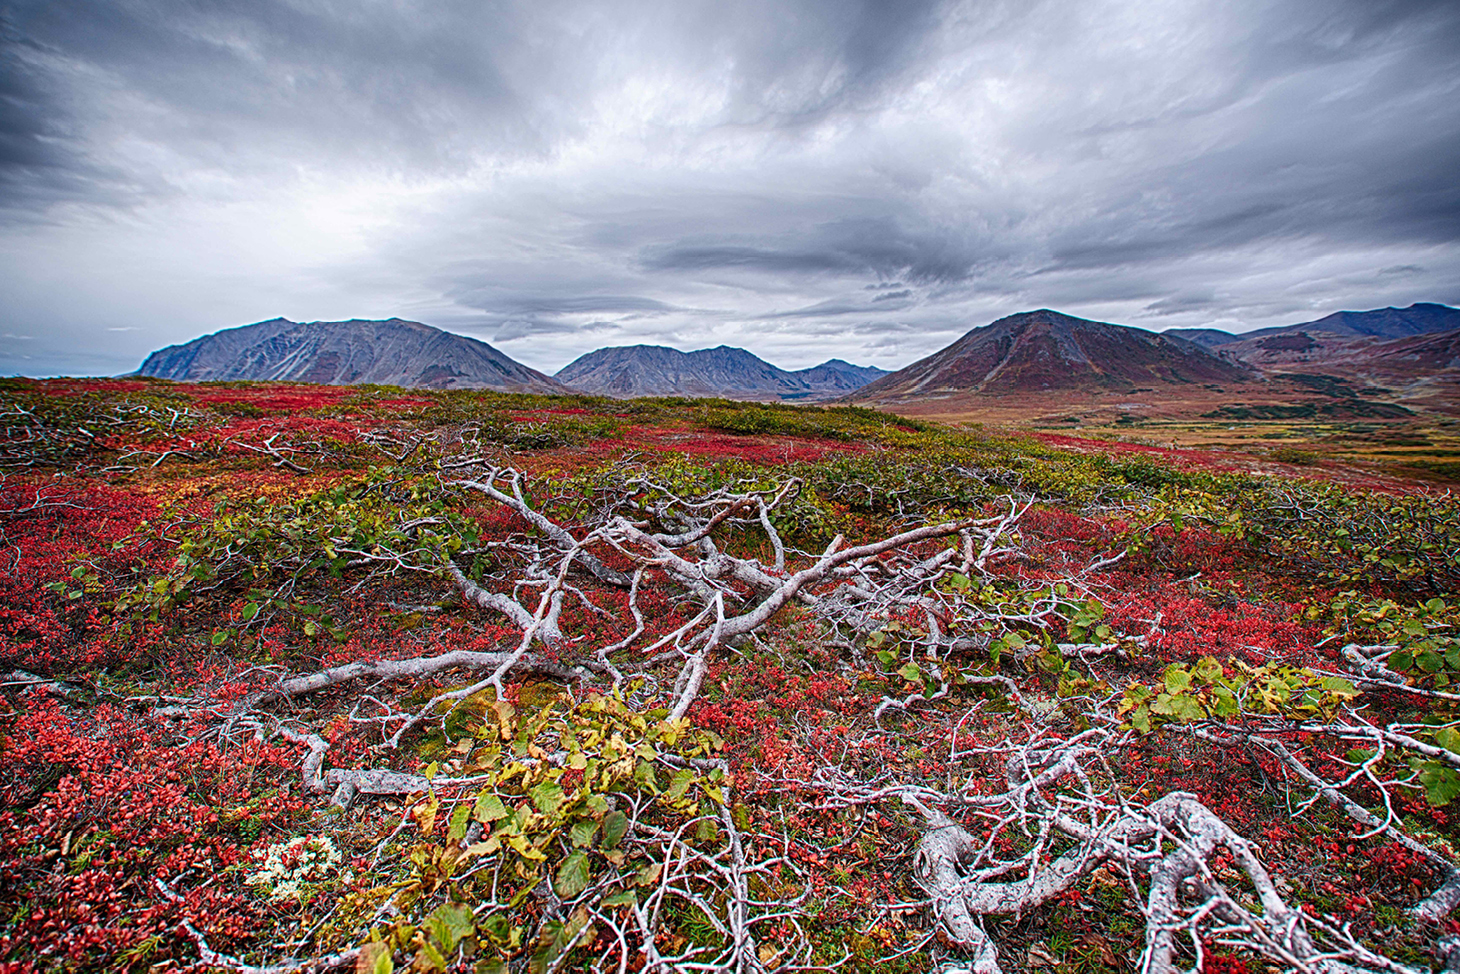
(626, 371)
(391, 351)
(1420, 318)
(1045, 350)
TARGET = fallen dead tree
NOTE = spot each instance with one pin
(1162, 850)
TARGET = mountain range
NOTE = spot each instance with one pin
(1382, 323)
(1052, 367)
(1035, 360)
(653, 370)
(408, 353)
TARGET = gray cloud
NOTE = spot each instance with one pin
(859, 178)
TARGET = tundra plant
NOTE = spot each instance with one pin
(289, 865)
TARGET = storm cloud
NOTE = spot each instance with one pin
(807, 178)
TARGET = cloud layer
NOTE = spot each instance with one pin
(804, 178)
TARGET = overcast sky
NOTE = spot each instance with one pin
(803, 178)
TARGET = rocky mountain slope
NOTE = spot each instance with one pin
(391, 352)
(732, 373)
(1039, 352)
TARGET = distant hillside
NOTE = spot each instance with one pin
(1418, 366)
(1382, 323)
(834, 375)
(732, 373)
(1041, 351)
(392, 352)
(1208, 337)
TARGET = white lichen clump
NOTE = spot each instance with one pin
(287, 866)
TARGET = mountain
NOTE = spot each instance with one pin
(834, 375)
(1042, 351)
(1428, 353)
(1208, 337)
(1396, 362)
(392, 352)
(1382, 323)
(653, 370)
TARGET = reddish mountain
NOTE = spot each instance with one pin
(1039, 351)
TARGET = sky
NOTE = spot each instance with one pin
(807, 179)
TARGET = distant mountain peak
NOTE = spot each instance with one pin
(1045, 350)
(389, 352)
(653, 370)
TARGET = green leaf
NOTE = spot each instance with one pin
(572, 875)
(250, 609)
(615, 824)
(625, 898)
(1442, 784)
(375, 958)
(1180, 706)
(489, 808)
(679, 784)
(450, 923)
(1224, 703)
(525, 849)
(1338, 685)
(1449, 739)
(431, 957)
(910, 672)
(582, 833)
(1140, 719)
(1177, 679)
(1401, 662)
(220, 637)
(547, 796)
(459, 818)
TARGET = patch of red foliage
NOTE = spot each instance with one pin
(74, 387)
(52, 529)
(95, 813)
(1184, 627)
(289, 399)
